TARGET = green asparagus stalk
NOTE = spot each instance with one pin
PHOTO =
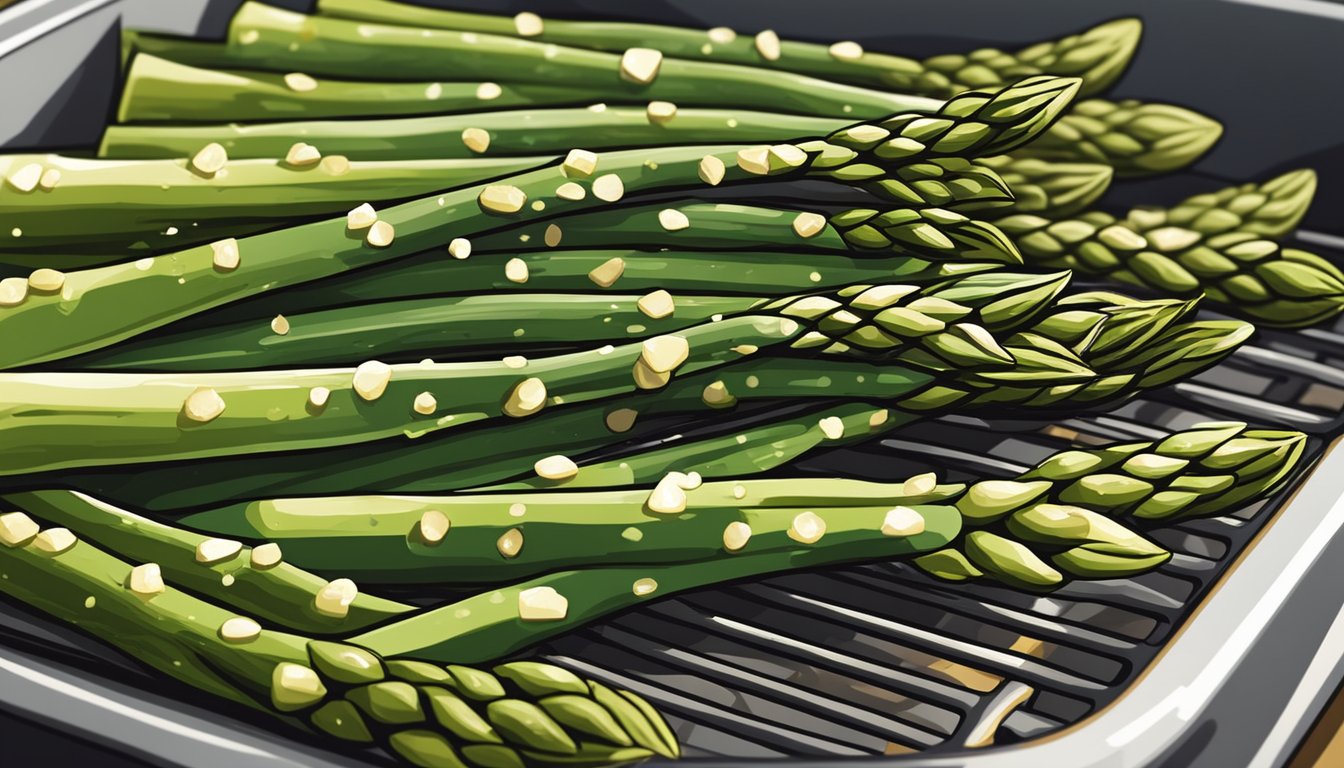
(520, 713)
(1215, 244)
(103, 208)
(1097, 55)
(98, 307)
(1135, 138)
(60, 420)
(264, 37)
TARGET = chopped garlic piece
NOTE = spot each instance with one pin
(527, 397)
(336, 165)
(570, 191)
(807, 528)
(335, 598)
(317, 396)
(527, 24)
(50, 178)
(808, 224)
(754, 160)
(736, 535)
(211, 551)
(608, 188)
(668, 497)
(920, 485)
(267, 555)
(210, 159)
(476, 139)
(26, 178)
(722, 35)
(425, 404)
(380, 234)
(833, 427)
(146, 579)
(552, 235)
(542, 604)
(17, 529)
(371, 379)
(621, 419)
(902, 521)
(433, 91)
(488, 91)
(647, 378)
(580, 163)
(54, 541)
(510, 543)
(711, 170)
(433, 526)
(664, 353)
(239, 629)
(226, 256)
(672, 220)
(608, 272)
(660, 112)
(556, 468)
(361, 217)
(846, 50)
(515, 270)
(644, 587)
(301, 154)
(299, 82)
(46, 280)
(502, 198)
(459, 248)
(280, 325)
(657, 305)
(716, 394)
(13, 290)
(202, 405)
(515, 361)
(767, 44)
(640, 65)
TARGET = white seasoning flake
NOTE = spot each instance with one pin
(488, 91)
(580, 163)
(657, 305)
(832, 427)
(672, 220)
(371, 379)
(660, 112)
(644, 587)
(46, 280)
(433, 526)
(711, 170)
(476, 139)
(459, 248)
(767, 44)
(425, 404)
(280, 325)
(335, 598)
(527, 397)
(301, 155)
(380, 235)
(26, 178)
(239, 629)
(225, 254)
(50, 178)
(808, 224)
(146, 580)
(640, 65)
(54, 541)
(736, 535)
(570, 191)
(552, 235)
(317, 397)
(510, 543)
(17, 529)
(556, 468)
(203, 405)
(299, 82)
(542, 604)
(210, 159)
(722, 35)
(902, 521)
(361, 217)
(515, 270)
(667, 497)
(846, 50)
(502, 198)
(608, 188)
(807, 528)
(664, 353)
(528, 24)
(211, 551)
(608, 272)
(267, 555)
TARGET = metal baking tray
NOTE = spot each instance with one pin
(1225, 656)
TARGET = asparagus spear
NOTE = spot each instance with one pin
(94, 308)
(1215, 244)
(1135, 138)
(1098, 55)
(521, 713)
(264, 37)
(105, 208)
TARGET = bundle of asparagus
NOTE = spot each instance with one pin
(226, 373)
